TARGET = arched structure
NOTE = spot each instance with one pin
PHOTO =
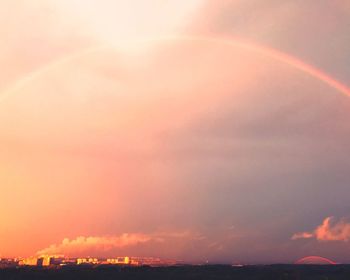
(315, 260)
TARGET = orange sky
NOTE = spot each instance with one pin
(115, 141)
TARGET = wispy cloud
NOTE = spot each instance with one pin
(328, 231)
(302, 235)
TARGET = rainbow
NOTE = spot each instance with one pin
(253, 47)
(315, 260)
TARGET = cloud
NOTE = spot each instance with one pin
(85, 245)
(302, 235)
(328, 231)
(104, 243)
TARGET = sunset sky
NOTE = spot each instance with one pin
(195, 130)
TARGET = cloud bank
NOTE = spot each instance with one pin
(104, 243)
(86, 245)
(328, 231)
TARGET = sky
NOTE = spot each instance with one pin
(198, 130)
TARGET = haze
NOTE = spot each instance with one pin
(180, 129)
